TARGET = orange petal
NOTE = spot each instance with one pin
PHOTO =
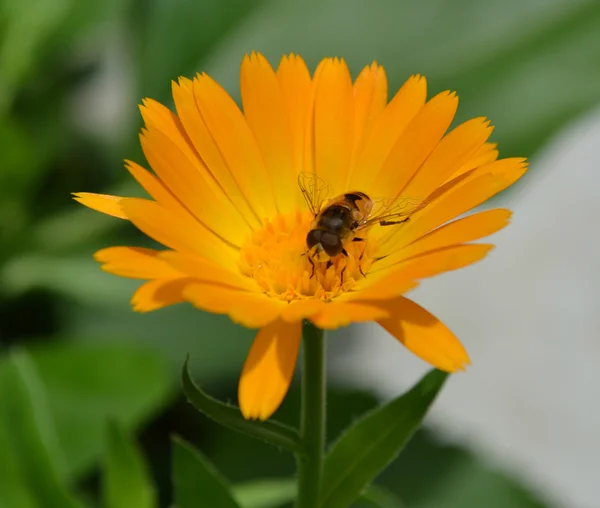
(265, 112)
(253, 310)
(236, 143)
(463, 230)
(157, 189)
(136, 263)
(153, 186)
(207, 149)
(308, 155)
(387, 129)
(158, 293)
(370, 98)
(414, 145)
(179, 231)
(485, 155)
(297, 310)
(389, 281)
(457, 197)
(296, 88)
(453, 151)
(110, 205)
(195, 189)
(336, 314)
(424, 335)
(208, 271)
(159, 117)
(269, 369)
(333, 123)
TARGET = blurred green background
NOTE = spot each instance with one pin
(72, 355)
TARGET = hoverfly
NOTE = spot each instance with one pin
(340, 220)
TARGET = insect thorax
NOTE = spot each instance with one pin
(336, 219)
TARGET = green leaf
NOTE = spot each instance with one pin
(380, 497)
(471, 483)
(272, 432)
(13, 487)
(31, 453)
(265, 493)
(27, 24)
(196, 481)
(374, 441)
(89, 383)
(273, 493)
(126, 479)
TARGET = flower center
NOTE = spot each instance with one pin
(276, 257)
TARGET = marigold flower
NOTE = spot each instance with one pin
(227, 206)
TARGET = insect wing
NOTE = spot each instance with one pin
(314, 189)
(391, 211)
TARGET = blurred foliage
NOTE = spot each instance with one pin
(125, 477)
(73, 356)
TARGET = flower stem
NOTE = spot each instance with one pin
(312, 417)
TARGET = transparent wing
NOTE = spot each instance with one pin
(314, 189)
(388, 212)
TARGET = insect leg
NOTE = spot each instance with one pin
(392, 222)
(358, 239)
(359, 265)
(312, 263)
(345, 253)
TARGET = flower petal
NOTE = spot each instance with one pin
(197, 191)
(253, 310)
(467, 229)
(207, 149)
(453, 151)
(205, 270)
(269, 369)
(158, 117)
(159, 293)
(153, 186)
(110, 205)
(336, 314)
(424, 335)
(237, 144)
(136, 263)
(265, 112)
(370, 98)
(297, 310)
(414, 145)
(455, 198)
(390, 281)
(178, 231)
(388, 127)
(296, 88)
(333, 123)
(485, 155)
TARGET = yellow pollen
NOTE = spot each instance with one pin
(276, 257)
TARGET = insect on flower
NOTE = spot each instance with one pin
(239, 232)
(340, 220)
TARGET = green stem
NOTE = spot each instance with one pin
(312, 417)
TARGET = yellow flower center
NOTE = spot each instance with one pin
(276, 257)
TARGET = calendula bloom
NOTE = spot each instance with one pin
(226, 204)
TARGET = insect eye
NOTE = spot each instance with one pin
(332, 244)
(313, 237)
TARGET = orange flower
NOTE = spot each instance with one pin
(227, 206)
